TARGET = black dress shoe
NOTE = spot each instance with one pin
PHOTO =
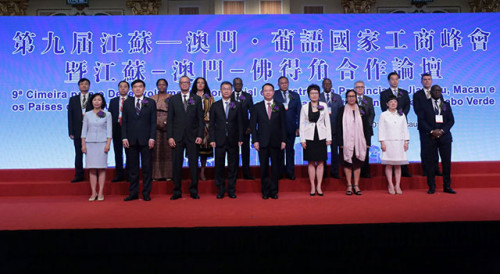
(117, 179)
(438, 173)
(147, 198)
(232, 196)
(368, 176)
(431, 190)
(175, 197)
(449, 190)
(220, 196)
(248, 177)
(131, 197)
(77, 179)
(335, 176)
(265, 197)
(291, 177)
(195, 196)
(274, 196)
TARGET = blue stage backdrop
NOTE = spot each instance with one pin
(42, 59)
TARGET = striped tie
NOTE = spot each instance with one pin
(138, 107)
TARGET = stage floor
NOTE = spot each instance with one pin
(249, 209)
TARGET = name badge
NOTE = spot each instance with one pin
(439, 119)
(329, 110)
(286, 106)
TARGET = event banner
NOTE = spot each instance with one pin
(42, 59)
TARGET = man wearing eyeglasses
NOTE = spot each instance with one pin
(365, 103)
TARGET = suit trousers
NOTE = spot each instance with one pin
(136, 152)
(334, 157)
(287, 156)
(269, 184)
(118, 148)
(78, 157)
(424, 139)
(232, 168)
(443, 146)
(192, 151)
(245, 155)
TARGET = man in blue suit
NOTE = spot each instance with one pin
(293, 105)
(334, 102)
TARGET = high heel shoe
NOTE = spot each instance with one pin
(319, 193)
(399, 191)
(312, 194)
(100, 198)
(349, 190)
(91, 199)
(357, 192)
(391, 191)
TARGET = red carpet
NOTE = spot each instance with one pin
(41, 203)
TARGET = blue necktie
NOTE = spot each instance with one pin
(227, 109)
(138, 107)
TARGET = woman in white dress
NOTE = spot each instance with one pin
(96, 140)
(394, 138)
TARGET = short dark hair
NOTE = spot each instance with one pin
(312, 87)
(226, 83)
(138, 81)
(391, 97)
(162, 79)
(83, 80)
(322, 83)
(350, 90)
(123, 81)
(103, 105)
(425, 74)
(237, 78)
(267, 84)
(391, 74)
(436, 87)
(281, 77)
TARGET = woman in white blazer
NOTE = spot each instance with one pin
(315, 135)
(96, 140)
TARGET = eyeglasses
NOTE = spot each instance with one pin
(359, 87)
(184, 82)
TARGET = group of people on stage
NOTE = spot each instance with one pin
(158, 131)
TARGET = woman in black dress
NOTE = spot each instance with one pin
(315, 136)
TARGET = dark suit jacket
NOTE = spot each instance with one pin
(185, 125)
(75, 117)
(403, 100)
(335, 103)
(246, 107)
(367, 127)
(138, 129)
(268, 132)
(114, 109)
(419, 99)
(219, 125)
(427, 119)
(369, 112)
(293, 112)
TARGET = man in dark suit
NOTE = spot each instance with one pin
(268, 124)
(420, 98)
(116, 110)
(366, 104)
(435, 120)
(403, 104)
(185, 127)
(246, 101)
(226, 135)
(138, 136)
(78, 105)
(334, 102)
(293, 105)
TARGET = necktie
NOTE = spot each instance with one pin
(121, 110)
(269, 110)
(185, 102)
(284, 96)
(327, 98)
(436, 107)
(84, 103)
(359, 100)
(138, 107)
(395, 92)
(227, 109)
(237, 96)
